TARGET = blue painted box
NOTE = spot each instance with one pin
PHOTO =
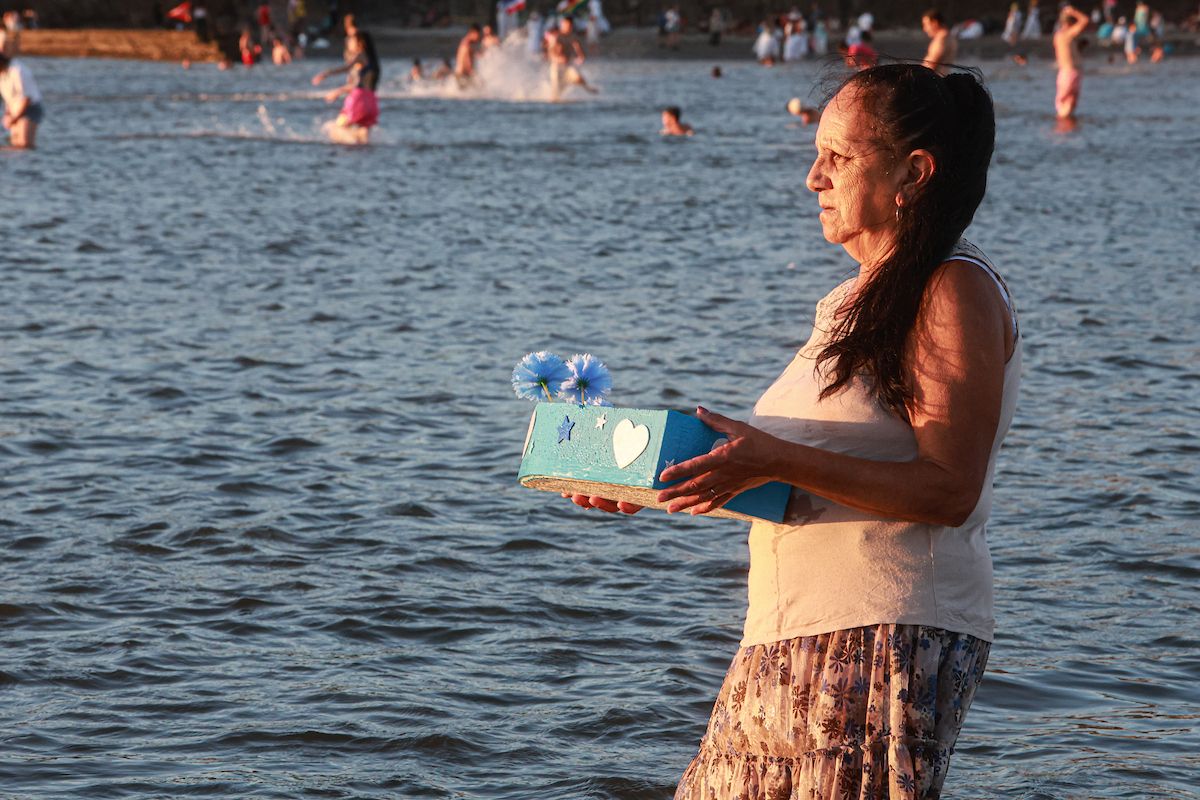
(619, 453)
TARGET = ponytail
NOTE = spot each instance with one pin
(951, 117)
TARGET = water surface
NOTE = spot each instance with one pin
(262, 533)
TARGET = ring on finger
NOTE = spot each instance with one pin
(712, 493)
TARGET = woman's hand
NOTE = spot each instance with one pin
(602, 503)
(710, 481)
(320, 76)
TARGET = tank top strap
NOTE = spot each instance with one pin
(965, 251)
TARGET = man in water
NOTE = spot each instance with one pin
(942, 46)
(1071, 23)
(464, 59)
(22, 103)
(564, 51)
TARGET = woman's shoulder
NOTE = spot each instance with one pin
(960, 285)
(964, 250)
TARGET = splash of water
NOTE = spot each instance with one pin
(506, 72)
(264, 118)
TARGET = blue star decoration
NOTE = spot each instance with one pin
(564, 430)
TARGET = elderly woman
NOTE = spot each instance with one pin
(870, 607)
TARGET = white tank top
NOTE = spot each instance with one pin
(829, 567)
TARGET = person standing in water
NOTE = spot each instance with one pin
(464, 58)
(22, 103)
(943, 48)
(870, 615)
(564, 52)
(360, 110)
(1071, 23)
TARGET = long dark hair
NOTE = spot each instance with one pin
(911, 107)
(372, 70)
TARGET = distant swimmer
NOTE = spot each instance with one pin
(280, 53)
(250, 50)
(1071, 23)
(464, 59)
(671, 125)
(943, 48)
(807, 114)
(564, 52)
(22, 103)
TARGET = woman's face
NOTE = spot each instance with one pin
(856, 180)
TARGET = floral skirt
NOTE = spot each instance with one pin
(867, 713)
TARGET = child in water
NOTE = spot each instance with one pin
(360, 111)
(671, 126)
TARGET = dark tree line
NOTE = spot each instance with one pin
(642, 13)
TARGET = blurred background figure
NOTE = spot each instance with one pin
(22, 103)
(671, 124)
(10, 34)
(1033, 24)
(1012, 25)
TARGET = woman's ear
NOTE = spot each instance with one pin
(919, 168)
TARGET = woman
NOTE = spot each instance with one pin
(870, 614)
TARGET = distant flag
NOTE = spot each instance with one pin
(572, 6)
(181, 12)
(513, 6)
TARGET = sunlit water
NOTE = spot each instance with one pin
(262, 535)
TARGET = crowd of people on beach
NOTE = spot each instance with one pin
(1142, 32)
(553, 40)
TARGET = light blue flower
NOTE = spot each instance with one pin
(536, 373)
(588, 381)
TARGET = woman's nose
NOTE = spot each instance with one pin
(816, 180)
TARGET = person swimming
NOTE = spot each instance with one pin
(807, 114)
(671, 124)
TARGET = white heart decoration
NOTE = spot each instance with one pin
(629, 441)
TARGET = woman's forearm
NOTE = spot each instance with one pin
(917, 491)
